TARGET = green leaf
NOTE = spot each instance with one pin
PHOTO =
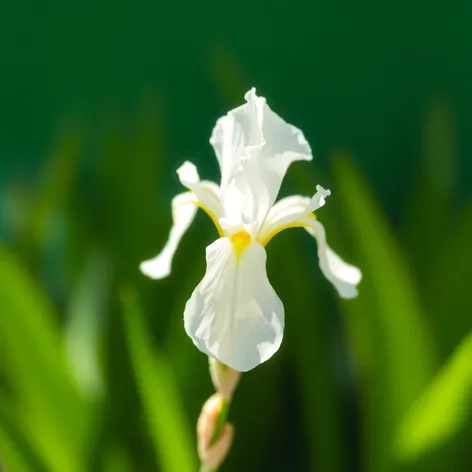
(54, 190)
(442, 409)
(52, 412)
(449, 281)
(311, 340)
(116, 459)
(159, 393)
(15, 450)
(430, 205)
(87, 306)
(398, 358)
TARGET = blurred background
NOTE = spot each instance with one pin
(100, 102)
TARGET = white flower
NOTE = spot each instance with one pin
(234, 314)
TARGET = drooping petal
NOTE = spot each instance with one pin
(208, 193)
(234, 314)
(255, 141)
(184, 207)
(290, 212)
(345, 277)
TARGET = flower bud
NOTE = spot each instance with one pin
(212, 454)
(225, 379)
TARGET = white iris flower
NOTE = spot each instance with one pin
(234, 314)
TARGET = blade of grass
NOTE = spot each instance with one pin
(442, 409)
(53, 412)
(159, 393)
(399, 341)
(432, 195)
(15, 451)
(428, 213)
(449, 281)
(53, 192)
(86, 310)
(312, 345)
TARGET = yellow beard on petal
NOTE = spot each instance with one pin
(240, 240)
(212, 216)
(295, 224)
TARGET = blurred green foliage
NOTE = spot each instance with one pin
(96, 372)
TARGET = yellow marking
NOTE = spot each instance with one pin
(240, 241)
(212, 217)
(295, 224)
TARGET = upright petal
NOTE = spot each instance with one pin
(184, 207)
(234, 314)
(345, 277)
(254, 140)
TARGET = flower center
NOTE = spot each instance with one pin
(240, 240)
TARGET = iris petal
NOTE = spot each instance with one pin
(234, 314)
(254, 147)
(184, 207)
(345, 277)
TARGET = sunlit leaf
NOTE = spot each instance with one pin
(51, 410)
(87, 307)
(159, 393)
(392, 316)
(15, 451)
(442, 409)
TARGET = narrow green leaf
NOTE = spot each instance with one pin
(87, 306)
(393, 322)
(54, 190)
(312, 336)
(449, 281)
(116, 459)
(442, 409)
(430, 205)
(53, 414)
(159, 393)
(15, 451)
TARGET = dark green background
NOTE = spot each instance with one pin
(351, 74)
(100, 102)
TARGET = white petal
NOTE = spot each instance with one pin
(255, 141)
(319, 199)
(289, 212)
(283, 214)
(188, 174)
(342, 275)
(208, 193)
(234, 314)
(184, 207)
